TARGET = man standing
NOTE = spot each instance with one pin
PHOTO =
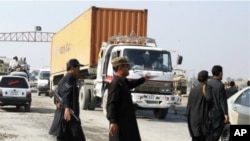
(70, 127)
(120, 110)
(13, 64)
(200, 102)
(147, 63)
(231, 90)
(220, 114)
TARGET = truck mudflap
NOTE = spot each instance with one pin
(155, 101)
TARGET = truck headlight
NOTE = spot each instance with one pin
(165, 90)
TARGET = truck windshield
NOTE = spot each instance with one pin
(149, 59)
(44, 75)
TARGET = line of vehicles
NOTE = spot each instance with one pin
(101, 34)
(95, 38)
(15, 86)
(38, 78)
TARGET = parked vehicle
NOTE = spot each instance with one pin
(94, 40)
(239, 107)
(15, 90)
(33, 78)
(43, 81)
(4, 65)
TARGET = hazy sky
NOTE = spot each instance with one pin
(204, 33)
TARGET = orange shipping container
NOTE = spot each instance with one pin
(82, 38)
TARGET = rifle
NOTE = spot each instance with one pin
(59, 99)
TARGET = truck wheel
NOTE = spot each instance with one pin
(27, 108)
(93, 101)
(85, 98)
(46, 93)
(161, 113)
(18, 107)
(104, 102)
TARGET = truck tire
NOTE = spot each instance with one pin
(93, 101)
(104, 102)
(160, 113)
(85, 98)
(18, 107)
(39, 93)
(46, 93)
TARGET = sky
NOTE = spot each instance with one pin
(205, 33)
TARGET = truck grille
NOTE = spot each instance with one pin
(155, 87)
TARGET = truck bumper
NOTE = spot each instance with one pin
(155, 100)
(43, 88)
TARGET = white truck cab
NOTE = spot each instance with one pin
(156, 94)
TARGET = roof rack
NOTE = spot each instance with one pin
(132, 39)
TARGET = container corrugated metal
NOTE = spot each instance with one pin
(82, 38)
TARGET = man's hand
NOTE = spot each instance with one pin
(226, 119)
(58, 105)
(67, 115)
(146, 76)
(113, 129)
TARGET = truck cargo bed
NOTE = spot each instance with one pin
(82, 38)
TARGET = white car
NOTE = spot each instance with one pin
(15, 90)
(19, 73)
(239, 107)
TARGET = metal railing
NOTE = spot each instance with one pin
(26, 36)
(132, 39)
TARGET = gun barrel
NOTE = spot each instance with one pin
(73, 114)
(60, 101)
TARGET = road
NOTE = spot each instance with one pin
(17, 125)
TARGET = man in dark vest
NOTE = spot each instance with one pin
(220, 114)
(65, 126)
(231, 90)
(200, 102)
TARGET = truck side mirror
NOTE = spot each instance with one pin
(179, 59)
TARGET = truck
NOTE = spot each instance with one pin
(101, 34)
(43, 85)
(4, 65)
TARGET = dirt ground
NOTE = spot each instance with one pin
(24, 126)
(17, 125)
